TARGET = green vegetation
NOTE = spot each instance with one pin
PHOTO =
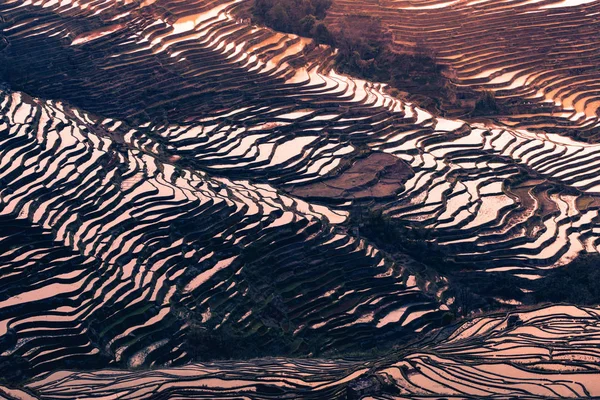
(486, 105)
(392, 236)
(472, 290)
(204, 343)
(398, 240)
(18, 371)
(364, 47)
(366, 50)
(575, 283)
(302, 17)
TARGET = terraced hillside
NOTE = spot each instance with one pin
(538, 56)
(538, 354)
(179, 185)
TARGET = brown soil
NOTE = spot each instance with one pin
(376, 176)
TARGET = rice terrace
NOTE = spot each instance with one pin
(299, 199)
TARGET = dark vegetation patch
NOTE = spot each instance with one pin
(204, 343)
(397, 240)
(577, 282)
(477, 291)
(366, 51)
(302, 17)
(486, 105)
(371, 385)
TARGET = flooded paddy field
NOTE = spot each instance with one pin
(194, 206)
